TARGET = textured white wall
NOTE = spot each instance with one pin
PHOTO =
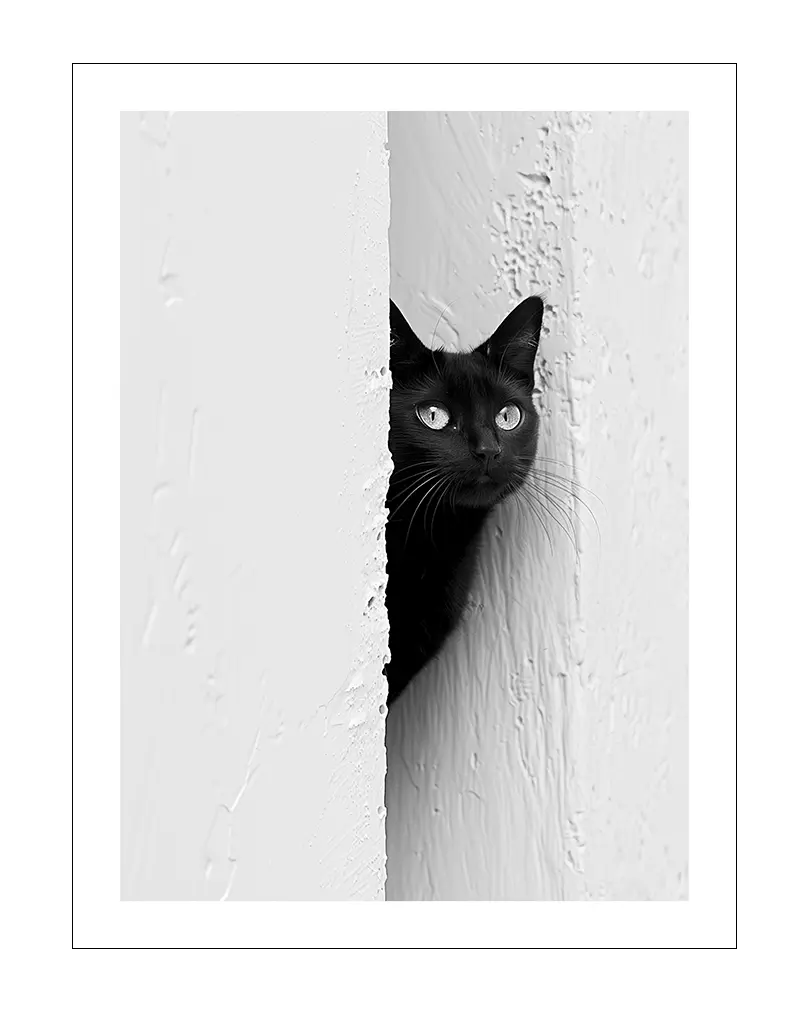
(543, 755)
(254, 472)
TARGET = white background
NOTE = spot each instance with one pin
(711, 751)
(767, 561)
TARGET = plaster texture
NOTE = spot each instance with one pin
(543, 754)
(254, 473)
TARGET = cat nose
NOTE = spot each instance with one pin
(486, 451)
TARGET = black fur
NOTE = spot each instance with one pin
(437, 503)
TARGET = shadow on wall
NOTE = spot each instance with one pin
(477, 745)
(543, 753)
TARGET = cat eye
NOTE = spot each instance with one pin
(509, 417)
(434, 415)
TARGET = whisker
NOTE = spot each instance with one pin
(566, 483)
(438, 502)
(560, 462)
(411, 521)
(563, 510)
(534, 494)
(418, 486)
(524, 500)
(441, 317)
(410, 466)
(573, 487)
(559, 476)
(527, 491)
(414, 476)
(554, 486)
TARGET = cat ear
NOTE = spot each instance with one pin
(405, 348)
(514, 343)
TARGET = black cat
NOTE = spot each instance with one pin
(463, 434)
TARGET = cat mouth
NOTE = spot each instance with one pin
(496, 478)
(483, 491)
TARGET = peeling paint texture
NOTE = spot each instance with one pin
(543, 755)
(255, 466)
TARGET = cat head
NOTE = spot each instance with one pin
(466, 419)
